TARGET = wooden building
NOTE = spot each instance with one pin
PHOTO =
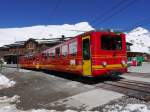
(11, 52)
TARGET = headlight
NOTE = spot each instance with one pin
(123, 62)
(104, 63)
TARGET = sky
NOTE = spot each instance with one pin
(117, 14)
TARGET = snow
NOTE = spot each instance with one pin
(24, 70)
(136, 78)
(5, 82)
(87, 100)
(127, 108)
(140, 69)
(9, 35)
(137, 107)
(8, 105)
(72, 84)
(140, 38)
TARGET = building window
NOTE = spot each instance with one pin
(31, 45)
(64, 50)
(73, 48)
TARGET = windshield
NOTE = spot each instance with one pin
(109, 42)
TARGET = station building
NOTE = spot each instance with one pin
(10, 53)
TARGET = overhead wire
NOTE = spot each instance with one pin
(116, 6)
(116, 12)
(139, 23)
(101, 16)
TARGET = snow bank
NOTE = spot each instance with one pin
(127, 108)
(137, 108)
(5, 82)
(6, 104)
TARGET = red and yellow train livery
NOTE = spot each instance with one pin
(91, 54)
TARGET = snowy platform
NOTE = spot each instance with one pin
(45, 92)
(145, 68)
(137, 77)
(88, 100)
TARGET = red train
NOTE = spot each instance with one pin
(91, 54)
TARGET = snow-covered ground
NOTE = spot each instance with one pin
(88, 100)
(93, 99)
(127, 108)
(140, 69)
(126, 104)
(5, 82)
(24, 70)
(8, 104)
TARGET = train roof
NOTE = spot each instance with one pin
(102, 31)
(85, 33)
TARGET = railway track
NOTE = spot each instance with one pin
(144, 75)
(136, 89)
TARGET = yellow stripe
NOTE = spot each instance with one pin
(79, 67)
(113, 66)
(67, 67)
(109, 57)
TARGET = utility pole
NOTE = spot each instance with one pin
(1, 65)
(17, 56)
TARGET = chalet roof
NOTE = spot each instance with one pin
(4, 47)
(38, 41)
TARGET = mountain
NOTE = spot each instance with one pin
(140, 38)
(10, 35)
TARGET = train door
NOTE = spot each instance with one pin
(86, 51)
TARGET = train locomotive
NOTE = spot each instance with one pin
(91, 54)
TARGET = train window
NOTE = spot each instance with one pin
(33, 58)
(64, 50)
(53, 53)
(86, 49)
(73, 48)
(57, 51)
(48, 55)
(109, 42)
(43, 54)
